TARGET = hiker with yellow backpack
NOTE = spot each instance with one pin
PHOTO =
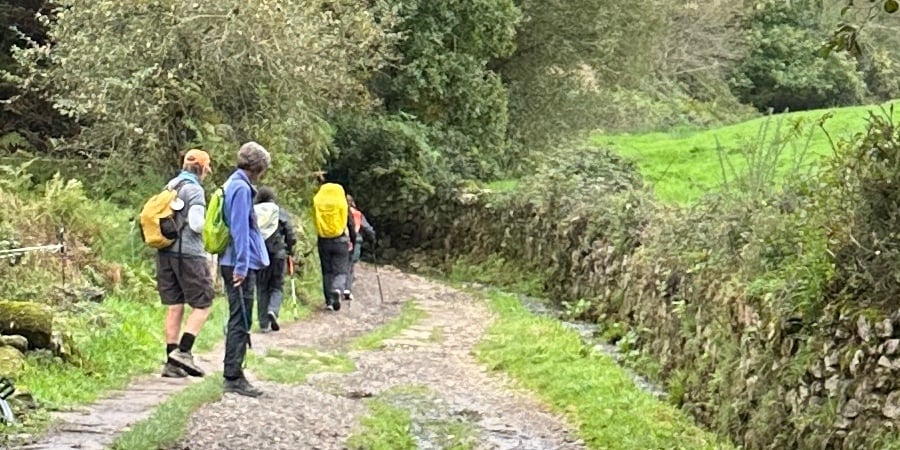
(336, 236)
(171, 222)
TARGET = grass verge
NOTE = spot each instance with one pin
(118, 339)
(386, 427)
(495, 270)
(409, 315)
(404, 417)
(292, 367)
(168, 423)
(597, 395)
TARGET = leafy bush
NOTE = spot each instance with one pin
(151, 79)
(442, 79)
(95, 232)
(389, 163)
(882, 70)
(868, 255)
(785, 70)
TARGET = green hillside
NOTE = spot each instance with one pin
(684, 165)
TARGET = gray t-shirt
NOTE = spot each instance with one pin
(191, 194)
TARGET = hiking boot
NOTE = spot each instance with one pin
(336, 300)
(185, 360)
(242, 387)
(172, 371)
(273, 321)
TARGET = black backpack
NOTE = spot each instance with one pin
(275, 242)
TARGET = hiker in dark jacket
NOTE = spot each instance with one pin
(244, 256)
(276, 228)
(362, 225)
(182, 275)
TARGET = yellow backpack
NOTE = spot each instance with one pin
(330, 210)
(158, 225)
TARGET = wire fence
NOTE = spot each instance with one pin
(14, 255)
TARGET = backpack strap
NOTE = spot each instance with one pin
(224, 196)
(184, 222)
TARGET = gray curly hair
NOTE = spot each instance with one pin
(253, 157)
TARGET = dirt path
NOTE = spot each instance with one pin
(434, 356)
(96, 426)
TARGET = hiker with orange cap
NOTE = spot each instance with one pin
(362, 225)
(182, 273)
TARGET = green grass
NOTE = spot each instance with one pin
(118, 339)
(400, 414)
(495, 271)
(386, 427)
(169, 421)
(409, 315)
(598, 396)
(684, 165)
(292, 367)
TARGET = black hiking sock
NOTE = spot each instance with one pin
(187, 342)
(169, 349)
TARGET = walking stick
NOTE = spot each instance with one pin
(377, 275)
(244, 313)
(293, 286)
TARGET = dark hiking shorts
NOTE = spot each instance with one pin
(193, 284)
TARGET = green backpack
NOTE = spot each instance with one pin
(216, 235)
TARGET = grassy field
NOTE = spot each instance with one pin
(684, 165)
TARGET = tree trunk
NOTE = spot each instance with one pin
(34, 321)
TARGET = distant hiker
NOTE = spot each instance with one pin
(242, 258)
(361, 224)
(276, 228)
(182, 273)
(336, 234)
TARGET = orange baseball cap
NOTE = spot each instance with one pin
(197, 156)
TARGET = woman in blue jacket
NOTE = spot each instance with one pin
(245, 255)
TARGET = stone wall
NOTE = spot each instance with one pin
(737, 361)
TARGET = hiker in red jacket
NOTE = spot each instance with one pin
(361, 224)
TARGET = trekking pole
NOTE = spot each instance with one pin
(61, 241)
(244, 313)
(293, 286)
(7, 389)
(377, 275)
